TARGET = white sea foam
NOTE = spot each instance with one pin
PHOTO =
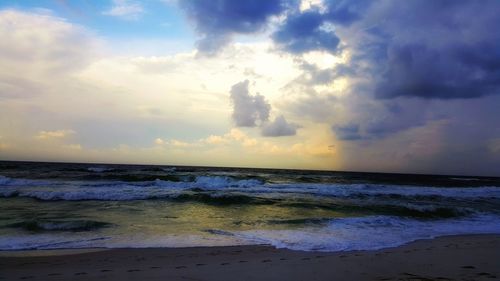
(347, 190)
(51, 241)
(116, 190)
(211, 182)
(171, 169)
(86, 240)
(370, 233)
(359, 233)
(6, 181)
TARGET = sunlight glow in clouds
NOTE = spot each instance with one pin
(54, 134)
(295, 84)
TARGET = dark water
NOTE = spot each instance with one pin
(60, 205)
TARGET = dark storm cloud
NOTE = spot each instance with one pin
(345, 12)
(311, 30)
(434, 49)
(428, 49)
(404, 59)
(374, 121)
(218, 20)
(452, 72)
(303, 32)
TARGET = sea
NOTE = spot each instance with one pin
(67, 206)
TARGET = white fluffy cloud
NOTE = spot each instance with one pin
(33, 37)
(37, 49)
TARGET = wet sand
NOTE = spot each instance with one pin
(471, 257)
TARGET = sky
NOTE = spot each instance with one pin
(381, 86)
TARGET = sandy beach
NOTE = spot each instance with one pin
(471, 257)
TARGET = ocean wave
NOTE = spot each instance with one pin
(421, 210)
(168, 187)
(342, 234)
(400, 209)
(139, 178)
(77, 195)
(51, 241)
(48, 225)
(6, 181)
(306, 221)
(99, 169)
(82, 240)
(221, 199)
(210, 182)
(369, 233)
(362, 190)
(464, 179)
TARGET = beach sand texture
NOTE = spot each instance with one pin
(471, 257)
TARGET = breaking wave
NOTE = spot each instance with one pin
(157, 188)
(369, 233)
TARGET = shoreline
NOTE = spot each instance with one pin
(76, 251)
(453, 257)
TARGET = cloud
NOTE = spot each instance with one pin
(452, 72)
(303, 32)
(429, 49)
(494, 145)
(213, 139)
(253, 111)
(58, 134)
(153, 93)
(233, 136)
(347, 132)
(314, 146)
(248, 110)
(345, 12)
(358, 95)
(74, 146)
(307, 25)
(125, 9)
(399, 60)
(218, 21)
(279, 128)
(312, 26)
(159, 141)
(60, 45)
(178, 143)
(371, 120)
(3, 145)
(313, 75)
(406, 69)
(39, 50)
(426, 49)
